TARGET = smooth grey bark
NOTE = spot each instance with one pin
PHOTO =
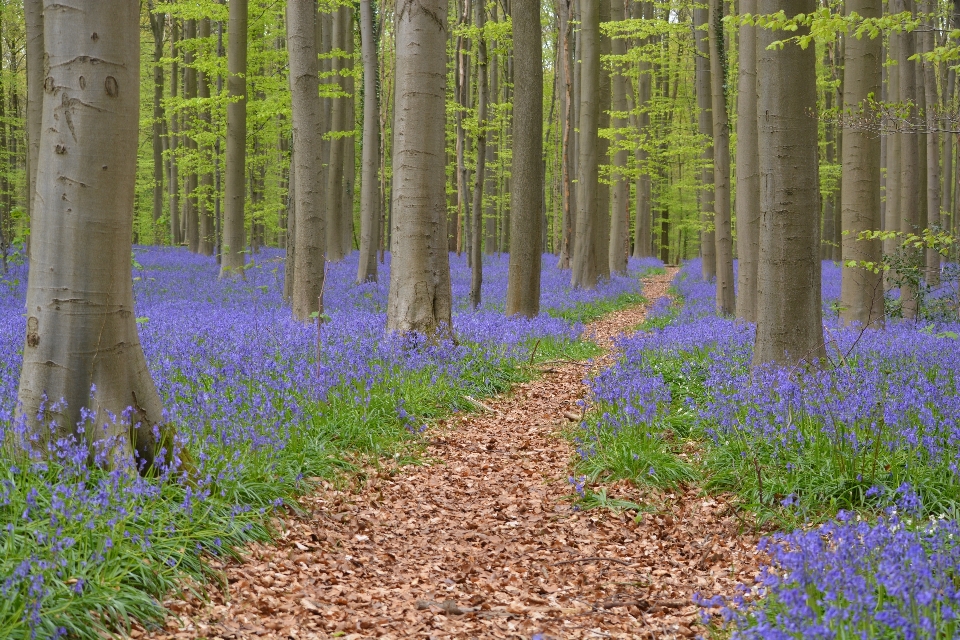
(586, 267)
(337, 144)
(827, 237)
(420, 297)
(82, 355)
(463, 100)
(36, 73)
(207, 231)
(158, 23)
(723, 235)
(909, 152)
(748, 170)
(861, 296)
(233, 259)
(933, 144)
(892, 209)
(289, 264)
(476, 245)
(948, 182)
(350, 141)
(789, 321)
(568, 167)
(190, 216)
(491, 184)
(308, 255)
(173, 181)
(602, 238)
(643, 226)
(370, 161)
(619, 248)
(708, 251)
(523, 286)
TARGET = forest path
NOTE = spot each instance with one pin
(483, 541)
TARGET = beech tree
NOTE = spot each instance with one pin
(523, 288)
(789, 322)
(586, 267)
(233, 261)
(861, 297)
(82, 355)
(748, 170)
(369, 181)
(309, 239)
(420, 297)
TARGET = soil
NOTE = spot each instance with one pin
(483, 540)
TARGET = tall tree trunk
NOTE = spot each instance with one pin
(463, 92)
(308, 270)
(909, 156)
(420, 297)
(861, 297)
(338, 122)
(190, 93)
(708, 251)
(173, 138)
(350, 125)
(933, 145)
(619, 249)
(158, 25)
(370, 168)
(586, 267)
(568, 168)
(643, 227)
(233, 260)
(476, 248)
(892, 211)
(523, 288)
(290, 263)
(789, 322)
(81, 316)
(748, 170)
(205, 197)
(827, 239)
(726, 298)
(36, 73)
(948, 101)
(602, 238)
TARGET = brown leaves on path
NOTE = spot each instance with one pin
(482, 541)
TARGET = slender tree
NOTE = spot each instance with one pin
(36, 62)
(789, 322)
(420, 297)
(158, 24)
(232, 261)
(308, 268)
(726, 301)
(909, 154)
(586, 267)
(370, 169)
(523, 288)
(335, 166)
(708, 250)
(861, 297)
(190, 217)
(619, 249)
(480, 175)
(82, 357)
(173, 181)
(748, 170)
(932, 100)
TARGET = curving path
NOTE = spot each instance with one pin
(482, 542)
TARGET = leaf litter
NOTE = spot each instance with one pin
(483, 540)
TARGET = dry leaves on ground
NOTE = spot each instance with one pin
(483, 542)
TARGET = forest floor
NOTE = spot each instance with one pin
(483, 540)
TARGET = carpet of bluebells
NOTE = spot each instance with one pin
(859, 459)
(263, 407)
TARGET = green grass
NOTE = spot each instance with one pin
(588, 312)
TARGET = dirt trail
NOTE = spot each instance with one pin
(483, 542)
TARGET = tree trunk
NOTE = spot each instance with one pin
(206, 194)
(476, 247)
(789, 322)
(602, 238)
(861, 298)
(708, 251)
(308, 270)
(568, 169)
(892, 212)
(36, 73)
(491, 181)
(338, 122)
(827, 239)
(82, 349)
(586, 267)
(933, 145)
(289, 264)
(643, 229)
(173, 182)
(726, 298)
(947, 197)
(233, 260)
(190, 93)
(909, 156)
(619, 249)
(463, 92)
(370, 169)
(748, 170)
(158, 25)
(349, 142)
(523, 288)
(420, 298)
